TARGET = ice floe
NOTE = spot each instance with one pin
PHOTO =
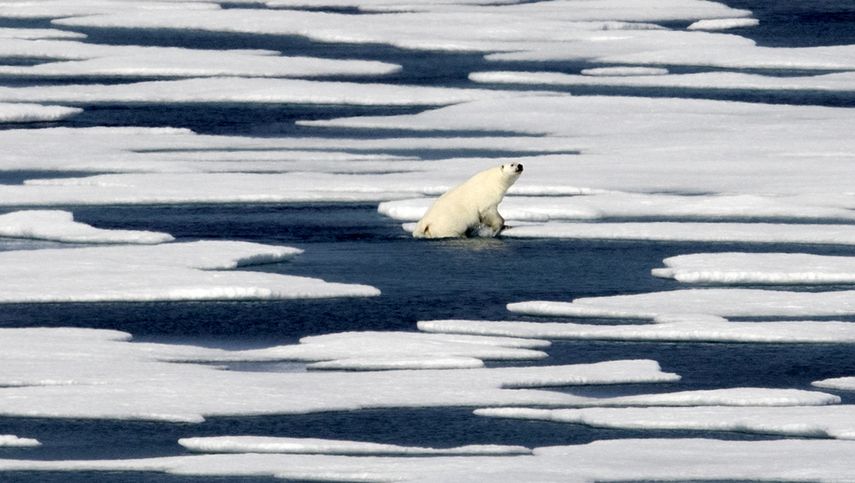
(723, 23)
(60, 226)
(10, 440)
(13, 112)
(247, 90)
(839, 383)
(803, 421)
(677, 328)
(261, 444)
(37, 34)
(840, 82)
(80, 59)
(623, 71)
(174, 271)
(758, 268)
(84, 373)
(714, 301)
(608, 460)
(824, 234)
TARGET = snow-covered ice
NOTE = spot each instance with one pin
(723, 23)
(37, 34)
(624, 71)
(10, 440)
(84, 373)
(172, 271)
(714, 301)
(261, 444)
(759, 268)
(668, 328)
(608, 460)
(14, 112)
(60, 226)
(799, 421)
(838, 383)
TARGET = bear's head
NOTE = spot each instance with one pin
(511, 171)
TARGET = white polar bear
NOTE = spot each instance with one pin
(473, 203)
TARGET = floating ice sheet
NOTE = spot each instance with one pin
(247, 90)
(714, 301)
(10, 440)
(838, 82)
(80, 373)
(60, 226)
(41, 34)
(723, 23)
(759, 268)
(261, 444)
(12, 112)
(839, 383)
(802, 421)
(680, 329)
(624, 71)
(824, 234)
(72, 58)
(175, 271)
(610, 460)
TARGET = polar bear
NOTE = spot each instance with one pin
(473, 203)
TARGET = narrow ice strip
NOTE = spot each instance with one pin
(85, 373)
(758, 268)
(12, 441)
(838, 383)
(672, 459)
(177, 271)
(60, 226)
(79, 59)
(38, 34)
(723, 23)
(800, 421)
(838, 82)
(672, 329)
(714, 301)
(599, 206)
(261, 444)
(23, 113)
(247, 90)
(60, 8)
(691, 232)
(624, 71)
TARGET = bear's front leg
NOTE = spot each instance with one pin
(493, 219)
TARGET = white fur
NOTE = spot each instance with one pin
(473, 203)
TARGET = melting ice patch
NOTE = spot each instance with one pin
(758, 268)
(21, 113)
(800, 421)
(723, 23)
(10, 440)
(676, 328)
(84, 373)
(260, 444)
(610, 460)
(37, 34)
(60, 226)
(176, 271)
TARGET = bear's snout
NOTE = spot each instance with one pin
(519, 168)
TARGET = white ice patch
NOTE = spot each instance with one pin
(824, 234)
(723, 23)
(84, 373)
(71, 58)
(675, 329)
(174, 271)
(247, 90)
(673, 459)
(260, 444)
(21, 113)
(837, 82)
(838, 383)
(758, 268)
(599, 206)
(36, 34)
(800, 421)
(60, 226)
(9, 440)
(714, 301)
(622, 71)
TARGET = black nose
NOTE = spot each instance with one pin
(519, 168)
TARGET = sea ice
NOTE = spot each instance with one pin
(714, 301)
(20, 113)
(676, 328)
(173, 271)
(723, 23)
(758, 268)
(674, 459)
(839, 383)
(85, 373)
(623, 71)
(9, 440)
(799, 421)
(40, 34)
(261, 444)
(60, 226)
